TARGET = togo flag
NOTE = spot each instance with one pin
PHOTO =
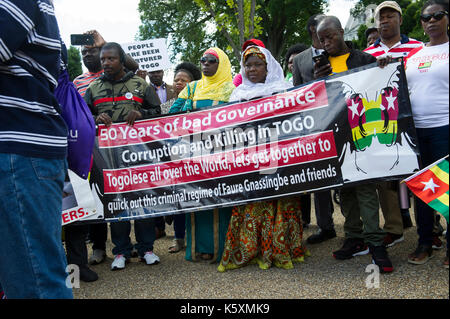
(431, 185)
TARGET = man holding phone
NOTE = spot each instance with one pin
(358, 202)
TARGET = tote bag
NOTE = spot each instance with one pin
(80, 124)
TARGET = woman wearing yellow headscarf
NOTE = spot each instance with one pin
(206, 230)
(214, 88)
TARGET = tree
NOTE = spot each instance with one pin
(193, 25)
(74, 63)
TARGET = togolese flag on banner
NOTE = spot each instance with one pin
(431, 186)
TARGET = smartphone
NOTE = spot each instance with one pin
(82, 39)
(320, 60)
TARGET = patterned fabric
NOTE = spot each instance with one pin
(265, 233)
(82, 81)
(254, 51)
(30, 55)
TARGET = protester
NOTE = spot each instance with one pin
(33, 150)
(237, 80)
(265, 232)
(388, 16)
(357, 202)
(75, 235)
(427, 71)
(371, 36)
(214, 88)
(185, 73)
(303, 72)
(289, 58)
(140, 102)
(165, 93)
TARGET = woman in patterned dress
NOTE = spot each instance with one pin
(268, 232)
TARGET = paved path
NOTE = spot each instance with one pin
(320, 276)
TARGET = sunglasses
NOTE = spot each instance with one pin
(210, 60)
(437, 16)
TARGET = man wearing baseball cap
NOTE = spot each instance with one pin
(388, 17)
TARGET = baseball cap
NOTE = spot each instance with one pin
(387, 4)
(252, 42)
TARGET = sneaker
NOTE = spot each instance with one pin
(98, 256)
(381, 259)
(321, 236)
(391, 239)
(352, 247)
(87, 274)
(437, 243)
(150, 258)
(118, 262)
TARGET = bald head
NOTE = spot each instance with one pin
(331, 36)
(330, 22)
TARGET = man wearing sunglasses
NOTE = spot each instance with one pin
(388, 16)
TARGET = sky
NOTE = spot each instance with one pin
(118, 20)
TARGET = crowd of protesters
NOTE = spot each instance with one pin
(33, 149)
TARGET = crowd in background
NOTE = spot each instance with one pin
(269, 233)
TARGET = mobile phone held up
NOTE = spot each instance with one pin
(320, 60)
(81, 39)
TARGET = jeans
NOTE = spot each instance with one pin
(144, 230)
(33, 261)
(433, 145)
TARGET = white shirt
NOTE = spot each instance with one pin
(427, 73)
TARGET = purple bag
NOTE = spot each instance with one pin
(80, 124)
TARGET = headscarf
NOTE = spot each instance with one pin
(217, 87)
(274, 83)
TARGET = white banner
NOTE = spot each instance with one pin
(78, 201)
(151, 55)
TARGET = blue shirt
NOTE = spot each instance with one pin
(30, 49)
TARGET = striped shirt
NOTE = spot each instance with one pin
(82, 81)
(400, 49)
(30, 55)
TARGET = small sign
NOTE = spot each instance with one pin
(151, 55)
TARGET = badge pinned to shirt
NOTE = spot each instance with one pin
(129, 95)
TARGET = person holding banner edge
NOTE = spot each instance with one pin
(359, 202)
(428, 84)
(303, 72)
(185, 73)
(104, 97)
(206, 230)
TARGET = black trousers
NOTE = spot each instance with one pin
(323, 205)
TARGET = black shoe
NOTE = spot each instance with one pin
(352, 247)
(87, 274)
(406, 218)
(381, 259)
(321, 236)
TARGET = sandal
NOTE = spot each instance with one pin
(422, 254)
(178, 244)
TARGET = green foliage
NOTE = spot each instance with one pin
(191, 27)
(74, 62)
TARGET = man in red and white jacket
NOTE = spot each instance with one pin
(388, 16)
